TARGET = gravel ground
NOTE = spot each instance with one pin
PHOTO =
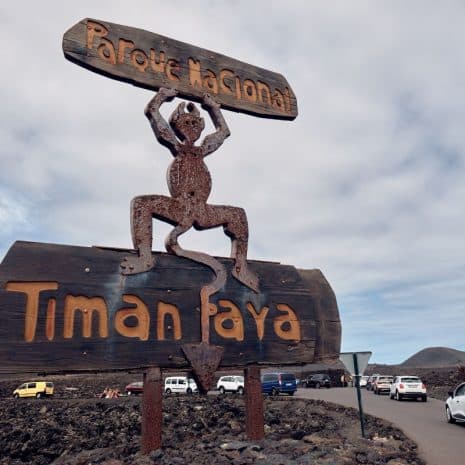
(76, 428)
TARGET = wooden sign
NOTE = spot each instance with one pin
(152, 61)
(67, 308)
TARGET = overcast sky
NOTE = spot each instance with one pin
(367, 184)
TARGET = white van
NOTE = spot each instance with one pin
(181, 384)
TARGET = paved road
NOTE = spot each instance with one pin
(439, 442)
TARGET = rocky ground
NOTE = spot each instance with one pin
(76, 428)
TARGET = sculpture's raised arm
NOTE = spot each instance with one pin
(160, 126)
(214, 141)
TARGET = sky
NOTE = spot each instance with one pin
(366, 184)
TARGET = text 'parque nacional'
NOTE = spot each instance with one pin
(152, 61)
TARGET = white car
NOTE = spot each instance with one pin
(180, 384)
(382, 383)
(455, 404)
(410, 387)
(231, 383)
(363, 381)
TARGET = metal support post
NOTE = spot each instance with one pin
(359, 394)
(254, 416)
(152, 412)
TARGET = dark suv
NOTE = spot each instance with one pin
(317, 381)
(277, 383)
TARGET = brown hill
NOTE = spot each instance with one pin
(435, 357)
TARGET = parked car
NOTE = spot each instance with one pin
(180, 384)
(455, 404)
(370, 381)
(363, 381)
(382, 383)
(231, 384)
(411, 387)
(134, 388)
(317, 381)
(277, 383)
(34, 389)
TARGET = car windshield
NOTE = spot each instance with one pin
(385, 379)
(411, 379)
(287, 377)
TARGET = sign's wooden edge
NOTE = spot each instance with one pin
(78, 57)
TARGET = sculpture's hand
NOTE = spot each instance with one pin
(209, 101)
(164, 94)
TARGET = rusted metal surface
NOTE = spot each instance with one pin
(189, 183)
(152, 413)
(204, 359)
(254, 416)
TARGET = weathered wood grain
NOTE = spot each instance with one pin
(151, 61)
(66, 277)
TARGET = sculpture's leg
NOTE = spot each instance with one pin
(234, 222)
(143, 209)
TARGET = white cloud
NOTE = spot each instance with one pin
(366, 184)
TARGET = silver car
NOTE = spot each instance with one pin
(455, 404)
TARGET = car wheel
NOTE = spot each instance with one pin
(424, 399)
(39, 395)
(222, 390)
(168, 391)
(398, 396)
(391, 396)
(291, 393)
(274, 392)
(189, 391)
(16, 396)
(240, 390)
(317, 386)
(450, 418)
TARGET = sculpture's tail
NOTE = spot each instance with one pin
(206, 309)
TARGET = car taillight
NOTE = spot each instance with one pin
(401, 386)
(423, 386)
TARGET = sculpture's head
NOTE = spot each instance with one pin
(187, 125)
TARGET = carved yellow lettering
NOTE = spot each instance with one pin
(157, 65)
(106, 51)
(50, 321)
(172, 67)
(168, 309)
(194, 73)
(32, 291)
(264, 92)
(87, 306)
(140, 312)
(234, 315)
(278, 100)
(287, 99)
(287, 326)
(238, 88)
(259, 319)
(210, 82)
(139, 60)
(94, 30)
(250, 91)
(224, 87)
(122, 46)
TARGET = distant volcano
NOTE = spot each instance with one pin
(435, 357)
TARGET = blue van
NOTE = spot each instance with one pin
(277, 383)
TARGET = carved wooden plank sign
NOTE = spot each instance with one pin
(68, 308)
(151, 61)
